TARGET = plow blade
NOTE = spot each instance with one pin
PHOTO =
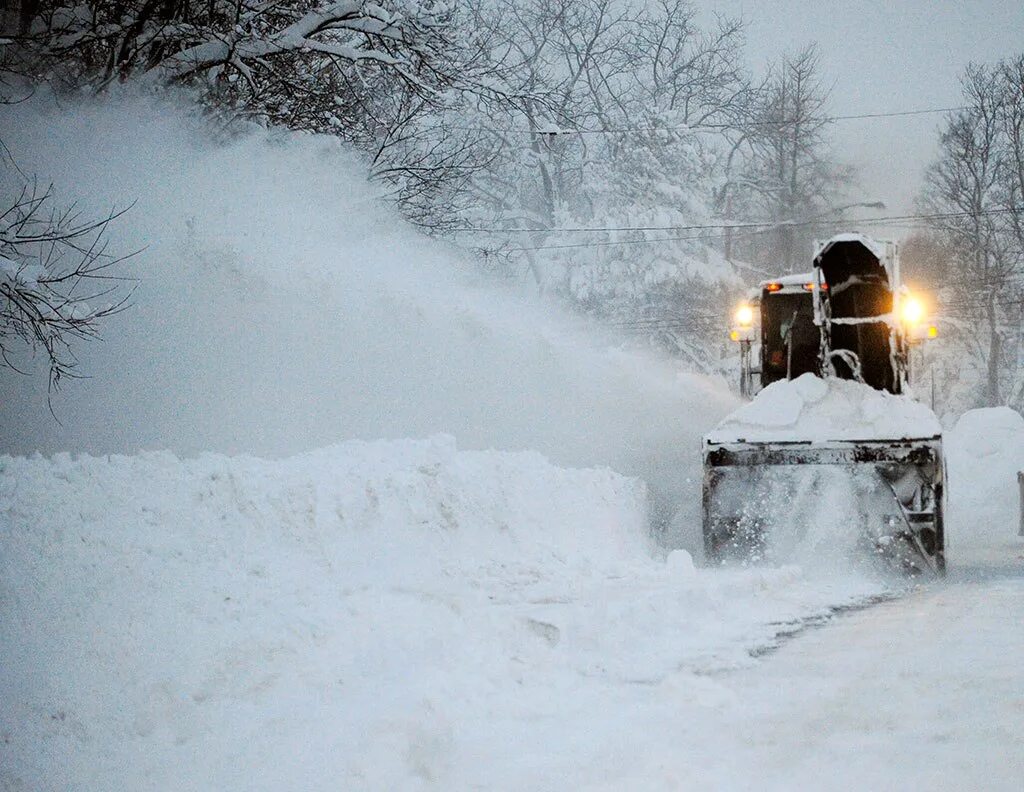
(754, 493)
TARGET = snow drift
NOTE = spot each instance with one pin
(282, 306)
(985, 450)
(813, 409)
(386, 615)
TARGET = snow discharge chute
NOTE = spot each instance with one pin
(858, 309)
(833, 373)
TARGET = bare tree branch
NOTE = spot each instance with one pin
(54, 281)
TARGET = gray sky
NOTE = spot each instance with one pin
(880, 57)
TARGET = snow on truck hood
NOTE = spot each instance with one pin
(812, 409)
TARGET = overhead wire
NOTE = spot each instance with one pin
(757, 226)
(699, 127)
(742, 225)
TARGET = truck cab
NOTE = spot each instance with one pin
(790, 341)
(846, 318)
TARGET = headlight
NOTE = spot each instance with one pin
(912, 311)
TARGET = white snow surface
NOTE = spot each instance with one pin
(809, 408)
(416, 614)
(875, 246)
(384, 615)
(990, 441)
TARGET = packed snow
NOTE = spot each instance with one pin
(809, 408)
(409, 615)
(874, 245)
(385, 615)
(985, 451)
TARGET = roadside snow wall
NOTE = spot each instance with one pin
(152, 606)
(984, 452)
(374, 616)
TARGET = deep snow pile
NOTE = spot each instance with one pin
(385, 615)
(817, 410)
(984, 452)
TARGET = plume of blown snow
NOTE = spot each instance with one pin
(283, 306)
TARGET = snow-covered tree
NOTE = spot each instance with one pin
(618, 138)
(383, 76)
(97, 41)
(788, 177)
(975, 190)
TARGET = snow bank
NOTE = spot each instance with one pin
(386, 615)
(984, 451)
(810, 408)
(282, 306)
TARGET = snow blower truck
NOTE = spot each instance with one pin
(849, 324)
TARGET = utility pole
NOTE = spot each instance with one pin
(746, 369)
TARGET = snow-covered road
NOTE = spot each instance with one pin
(406, 615)
(924, 692)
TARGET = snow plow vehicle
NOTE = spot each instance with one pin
(832, 429)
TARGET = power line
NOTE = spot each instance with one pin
(609, 244)
(741, 225)
(1006, 302)
(555, 131)
(751, 229)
